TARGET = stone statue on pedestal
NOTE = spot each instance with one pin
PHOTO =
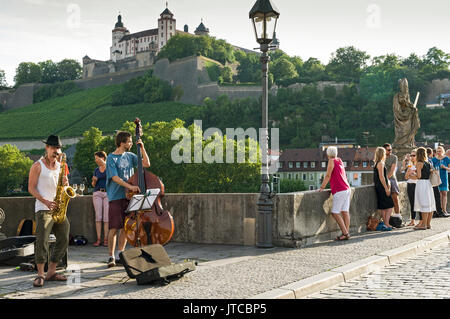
(406, 119)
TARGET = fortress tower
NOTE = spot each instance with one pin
(117, 34)
(167, 27)
(201, 30)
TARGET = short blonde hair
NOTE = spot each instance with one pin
(441, 148)
(332, 151)
(380, 154)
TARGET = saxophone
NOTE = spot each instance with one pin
(63, 194)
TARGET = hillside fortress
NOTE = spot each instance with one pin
(135, 50)
(130, 51)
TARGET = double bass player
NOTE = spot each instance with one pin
(119, 168)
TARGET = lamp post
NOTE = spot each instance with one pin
(264, 16)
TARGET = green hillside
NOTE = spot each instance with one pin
(71, 115)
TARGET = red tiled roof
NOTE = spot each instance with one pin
(141, 34)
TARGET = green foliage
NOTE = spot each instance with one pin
(283, 69)
(77, 112)
(14, 169)
(146, 88)
(47, 72)
(292, 185)
(39, 120)
(109, 118)
(51, 91)
(347, 64)
(27, 72)
(93, 141)
(226, 74)
(249, 69)
(3, 84)
(185, 45)
(69, 70)
(177, 178)
(213, 70)
(219, 74)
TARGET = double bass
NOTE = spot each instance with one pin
(145, 227)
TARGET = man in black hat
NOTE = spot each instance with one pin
(42, 184)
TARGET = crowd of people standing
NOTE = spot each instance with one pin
(425, 200)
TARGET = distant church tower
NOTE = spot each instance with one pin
(117, 34)
(167, 27)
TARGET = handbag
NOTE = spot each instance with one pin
(372, 223)
(396, 221)
(435, 179)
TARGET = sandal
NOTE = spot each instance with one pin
(342, 237)
(411, 224)
(56, 277)
(97, 243)
(105, 243)
(39, 281)
(420, 228)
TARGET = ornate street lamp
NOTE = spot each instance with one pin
(264, 16)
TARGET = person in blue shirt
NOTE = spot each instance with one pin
(437, 197)
(442, 163)
(119, 169)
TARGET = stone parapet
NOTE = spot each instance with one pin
(299, 219)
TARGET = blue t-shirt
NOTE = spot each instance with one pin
(121, 166)
(101, 179)
(442, 172)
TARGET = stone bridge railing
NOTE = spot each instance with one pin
(299, 219)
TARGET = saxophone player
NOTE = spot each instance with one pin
(42, 184)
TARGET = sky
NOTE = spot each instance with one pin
(39, 30)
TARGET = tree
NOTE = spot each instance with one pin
(3, 84)
(69, 70)
(283, 69)
(226, 74)
(388, 61)
(177, 178)
(347, 64)
(146, 88)
(93, 141)
(413, 62)
(313, 70)
(184, 45)
(49, 71)
(14, 168)
(292, 185)
(437, 59)
(27, 72)
(249, 69)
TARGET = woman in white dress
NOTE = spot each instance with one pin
(424, 197)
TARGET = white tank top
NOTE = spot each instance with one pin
(47, 184)
(412, 181)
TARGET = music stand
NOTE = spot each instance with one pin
(143, 201)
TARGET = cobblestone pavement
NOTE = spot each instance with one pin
(223, 272)
(424, 276)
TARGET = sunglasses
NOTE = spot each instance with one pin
(389, 150)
